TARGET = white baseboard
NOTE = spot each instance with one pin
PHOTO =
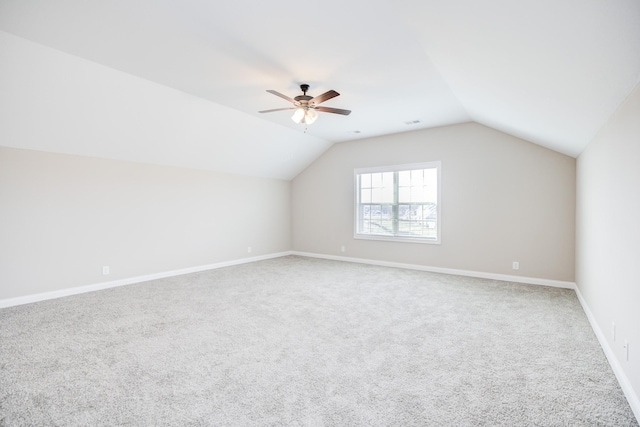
(9, 302)
(625, 384)
(469, 273)
(623, 380)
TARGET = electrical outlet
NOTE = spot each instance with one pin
(515, 265)
(626, 350)
(343, 249)
(105, 270)
(248, 249)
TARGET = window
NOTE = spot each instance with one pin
(399, 203)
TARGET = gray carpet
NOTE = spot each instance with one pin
(300, 341)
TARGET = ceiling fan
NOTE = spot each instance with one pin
(307, 106)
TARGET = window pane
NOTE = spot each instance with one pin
(388, 179)
(404, 211)
(376, 195)
(430, 175)
(376, 180)
(400, 203)
(404, 178)
(431, 181)
(418, 194)
(431, 194)
(417, 177)
(416, 212)
(404, 194)
(387, 194)
(365, 180)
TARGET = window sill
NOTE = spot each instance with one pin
(400, 239)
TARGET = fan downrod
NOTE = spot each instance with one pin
(304, 99)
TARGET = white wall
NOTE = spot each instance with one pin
(503, 200)
(56, 102)
(608, 236)
(63, 217)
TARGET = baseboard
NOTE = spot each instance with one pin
(9, 302)
(625, 384)
(469, 273)
(623, 380)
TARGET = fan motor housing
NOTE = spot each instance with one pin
(304, 99)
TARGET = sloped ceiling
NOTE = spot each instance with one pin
(551, 72)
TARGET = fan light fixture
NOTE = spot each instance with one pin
(306, 106)
(304, 115)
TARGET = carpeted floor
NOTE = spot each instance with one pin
(310, 342)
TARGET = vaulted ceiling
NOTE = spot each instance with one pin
(548, 71)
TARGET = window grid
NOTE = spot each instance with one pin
(398, 203)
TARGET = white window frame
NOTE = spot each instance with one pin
(397, 168)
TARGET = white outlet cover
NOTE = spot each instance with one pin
(626, 350)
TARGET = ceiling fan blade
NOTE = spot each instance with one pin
(276, 109)
(276, 93)
(334, 110)
(324, 97)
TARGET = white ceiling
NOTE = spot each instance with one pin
(549, 71)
